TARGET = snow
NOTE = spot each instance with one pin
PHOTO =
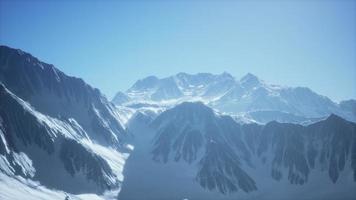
(124, 114)
(115, 159)
(130, 147)
(55, 126)
(256, 95)
(25, 163)
(5, 165)
(18, 188)
(3, 141)
(108, 195)
(168, 175)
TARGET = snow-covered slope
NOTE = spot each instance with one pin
(210, 156)
(58, 135)
(265, 102)
(53, 93)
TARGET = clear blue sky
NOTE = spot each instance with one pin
(112, 44)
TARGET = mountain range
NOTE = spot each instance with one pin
(195, 153)
(199, 136)
(248, 99)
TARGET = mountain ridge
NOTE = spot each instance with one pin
(240, 160)
(56, 131)
(237, 97)
(61, 138)
(46, 88)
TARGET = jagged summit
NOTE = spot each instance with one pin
(249, 81)
(334, 117)
(225, 152)
(250, 94)
(145, 83)
(52, 92)
(194, 113)
(249, 77)
(6, 50)
(193, 106)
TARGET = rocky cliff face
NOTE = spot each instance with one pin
(227, 157)
(56, 129)
(53, 93)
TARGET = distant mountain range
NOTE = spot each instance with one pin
(61, 139)
(248, 99)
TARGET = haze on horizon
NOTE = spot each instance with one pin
(113, 44)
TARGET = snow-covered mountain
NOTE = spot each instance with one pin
(53, 93)
(349, 106)
(120, 98)
(210, 156)
(250, 97)
(59, 136)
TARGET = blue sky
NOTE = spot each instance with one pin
(112, 44)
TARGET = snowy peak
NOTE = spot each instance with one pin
(182, 125)
(56, 130)
(193, 113)
(51, 148)
(193, 133)
(226, 75)
(200, 79)
(120, 98)
(192, 108)
(216, 144)
(250, 81)
(167, 89)
(248, 95)
(349, 106)
(334, 117)
(193, 79)
(53, 93)
(180, 87)
(152, 88)
(149, 82)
